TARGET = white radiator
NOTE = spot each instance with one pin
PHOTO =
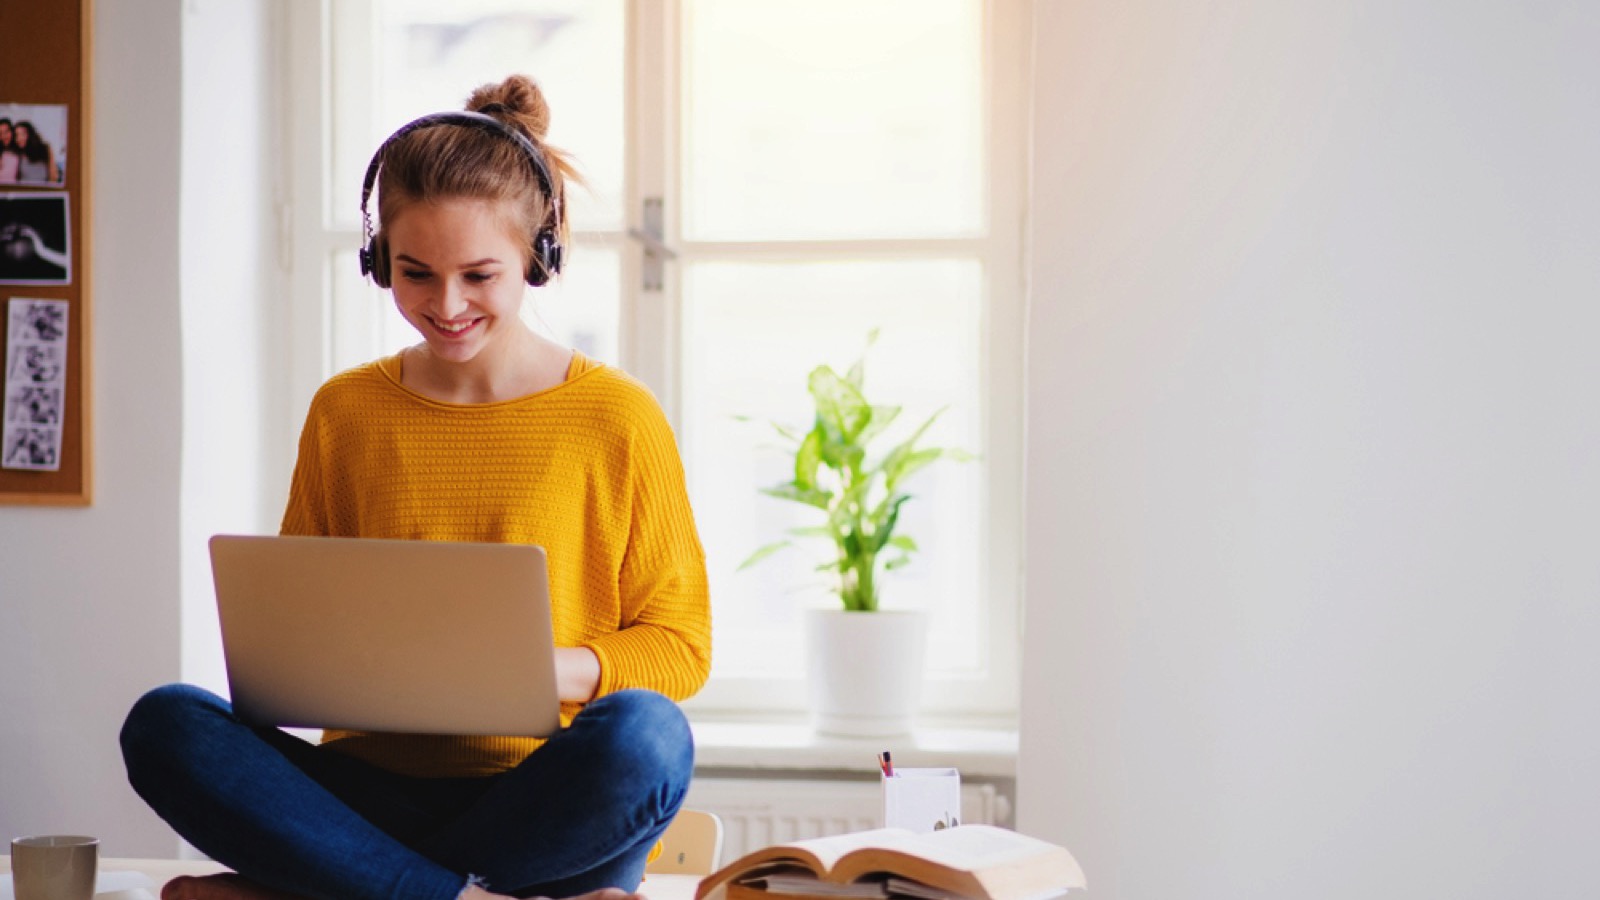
(758, 812)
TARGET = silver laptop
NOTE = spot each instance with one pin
(421, 637)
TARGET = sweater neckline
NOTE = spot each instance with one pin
(577, 369)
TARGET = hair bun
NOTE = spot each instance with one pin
(517, 101)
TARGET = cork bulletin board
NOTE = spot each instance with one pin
(45, 203)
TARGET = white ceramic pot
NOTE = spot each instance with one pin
(865, 670)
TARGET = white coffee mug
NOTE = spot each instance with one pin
(54, 867)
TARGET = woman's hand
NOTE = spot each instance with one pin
(577, 673)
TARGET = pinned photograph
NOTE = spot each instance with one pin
(34, 235)
(33, 144)
(38, 364)
(40, 321)
(32, 448)
(34, 409)
(30, 405)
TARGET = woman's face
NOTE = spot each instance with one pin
(5, 133)
(457, 271)
(23, 135)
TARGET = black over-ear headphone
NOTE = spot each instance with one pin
(546, 246)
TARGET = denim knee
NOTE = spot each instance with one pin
(652, 734)
(161, 717)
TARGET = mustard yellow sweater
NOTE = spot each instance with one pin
(587, 470)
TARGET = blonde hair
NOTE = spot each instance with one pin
(453, 161)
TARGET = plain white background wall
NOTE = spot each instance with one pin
(89, 597)
(95, 599)
(1312, 533)
(234, 480)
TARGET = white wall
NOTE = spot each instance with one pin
(95, 600)
(89, 597)
(1312, 536)
(234, 480)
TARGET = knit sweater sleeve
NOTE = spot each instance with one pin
(306, 511)
(664, 643)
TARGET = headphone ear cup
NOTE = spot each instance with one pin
(546, 259)
(375, 262)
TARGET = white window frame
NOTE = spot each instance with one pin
(653, 78)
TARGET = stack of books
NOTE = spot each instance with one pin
(967, 862)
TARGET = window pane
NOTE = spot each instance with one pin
(579, 309)
(431, 55)
(753, 333)
(833, 119)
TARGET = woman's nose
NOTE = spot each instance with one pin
(452, 299)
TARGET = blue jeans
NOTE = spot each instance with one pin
(580, 813)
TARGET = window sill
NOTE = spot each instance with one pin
(792, 747)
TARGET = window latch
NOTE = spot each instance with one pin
(656, 251)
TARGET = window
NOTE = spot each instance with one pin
(818, 170)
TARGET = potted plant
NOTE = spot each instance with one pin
(864, 662)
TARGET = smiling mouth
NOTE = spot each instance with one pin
(454, 329)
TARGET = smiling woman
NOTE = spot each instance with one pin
(478, 433)
(459, 269)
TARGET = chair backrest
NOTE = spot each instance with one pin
(691, 845)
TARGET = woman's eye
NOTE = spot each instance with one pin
(480, 277)
(414, 275)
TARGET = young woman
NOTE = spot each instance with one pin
(38, 161)
(10, 159)
(483, 431)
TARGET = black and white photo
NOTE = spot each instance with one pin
(35, 232)
(35, 380)
(32, 448)
(33, 405)
(38, 321)
(37, 364)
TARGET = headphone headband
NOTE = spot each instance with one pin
(546, 245)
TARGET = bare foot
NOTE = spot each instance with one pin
(227, 886)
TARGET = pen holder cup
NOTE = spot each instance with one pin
(922, 800)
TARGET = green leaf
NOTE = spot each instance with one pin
(761, 554)
(812, 531)
(857, 376)
(810, 497)
(851, 544)
(858, 373)
(904, 542)
(806, 460)
(886, 529)
(909, 464)
(895, 460)
(839, 404)
(882, 417)
(789, 433)
(896, 563)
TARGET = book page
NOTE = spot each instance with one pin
(971, 860)
(968, 848)
(829, 850)
(819, 854)
(810, 886)
(973, 847)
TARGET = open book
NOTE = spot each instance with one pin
(967, 862)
